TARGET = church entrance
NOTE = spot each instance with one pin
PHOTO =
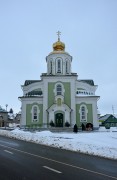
(59, 120)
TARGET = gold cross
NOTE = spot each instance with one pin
(58, 33)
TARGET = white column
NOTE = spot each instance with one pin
(73, 103)
(23, 114)
(67, 116)
(95, 118)
(45, 101)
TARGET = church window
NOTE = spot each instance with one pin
(51, 67)
(35, 113)
(66, 67)
(83, 113)
(59, 66)
(59, 89)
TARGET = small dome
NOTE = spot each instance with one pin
(58, 46)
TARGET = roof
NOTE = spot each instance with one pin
(54, 75)
(88, 81)
(59, 52)
(27, 82)
(35, 96)
(34, 93)
(106, 117)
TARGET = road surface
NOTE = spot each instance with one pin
(21, 160)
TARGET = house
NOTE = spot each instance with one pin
(3, 117)
(108, 120)
(17, 118)
(59, 97)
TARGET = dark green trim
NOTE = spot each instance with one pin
(27, 82)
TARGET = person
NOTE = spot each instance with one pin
(83, 127)
(75, 128)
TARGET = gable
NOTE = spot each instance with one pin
(111, 118)
(108, 118)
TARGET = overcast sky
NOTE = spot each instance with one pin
(28, 30)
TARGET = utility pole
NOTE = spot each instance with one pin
(7, 116)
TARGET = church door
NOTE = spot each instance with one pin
(59, 120)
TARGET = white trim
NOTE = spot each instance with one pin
(67, 66)
(55, 89)
(59, 97)
(55, 109)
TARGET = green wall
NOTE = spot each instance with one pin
(51, 95)
(89, 114)
(29, 115)
(67, 97)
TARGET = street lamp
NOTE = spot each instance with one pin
(7, 116)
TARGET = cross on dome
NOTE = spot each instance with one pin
(58, 33)
(58, 46)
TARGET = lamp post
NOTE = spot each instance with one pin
(7, 116)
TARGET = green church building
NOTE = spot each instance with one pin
(59, 97)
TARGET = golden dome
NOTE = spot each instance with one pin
(58, 46)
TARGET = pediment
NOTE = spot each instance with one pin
(63, 107)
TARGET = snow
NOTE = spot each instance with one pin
(100, 143)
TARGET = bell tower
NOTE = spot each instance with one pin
(59, 61)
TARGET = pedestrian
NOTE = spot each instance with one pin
(75, 128)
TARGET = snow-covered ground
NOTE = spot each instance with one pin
(101, 143)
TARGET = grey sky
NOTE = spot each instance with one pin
(28, 30)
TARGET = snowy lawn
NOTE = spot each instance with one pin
(101, 143)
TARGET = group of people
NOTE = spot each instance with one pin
(88, 127)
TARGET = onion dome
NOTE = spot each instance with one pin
(58, 46)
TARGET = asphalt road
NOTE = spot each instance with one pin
(21, 160)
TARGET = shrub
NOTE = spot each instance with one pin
(67, 124)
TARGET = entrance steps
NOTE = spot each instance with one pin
(60, 129)
(52, 129)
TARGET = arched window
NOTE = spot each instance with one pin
(59, 89)
(35, 113)
(83, 113)
(51, 67)
(59, 66)
(66, 67)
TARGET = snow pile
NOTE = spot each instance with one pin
(113, 129)
(96, 143)
(103, 129)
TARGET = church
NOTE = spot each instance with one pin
(59, 98)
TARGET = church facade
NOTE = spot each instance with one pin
(59, 97)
